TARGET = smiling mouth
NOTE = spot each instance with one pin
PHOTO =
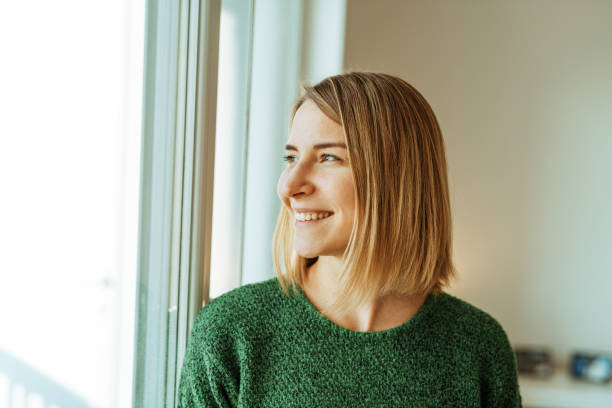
(311, 222)
(302, 219)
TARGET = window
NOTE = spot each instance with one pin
(266, 48)
(69, 176)
(112, 112)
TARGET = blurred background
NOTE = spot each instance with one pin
(101, 167)
(523, 93)
(70, 123)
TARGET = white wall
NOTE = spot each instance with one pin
(276, 65)
(322, 39)
(523, 93)
(293, 42)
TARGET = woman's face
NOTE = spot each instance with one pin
(317, 185)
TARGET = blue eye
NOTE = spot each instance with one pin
(325, 158)
(334, 158)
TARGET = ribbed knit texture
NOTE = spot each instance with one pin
(254, 347)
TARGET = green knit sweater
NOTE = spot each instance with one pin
(255, 347)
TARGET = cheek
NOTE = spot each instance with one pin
(278, 187)
(347, 192)
(280, 190)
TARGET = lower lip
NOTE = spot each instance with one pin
(300, 223)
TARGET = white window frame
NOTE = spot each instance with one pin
(178, 155)
(179, 112)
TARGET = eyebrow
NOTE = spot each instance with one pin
(318, 146)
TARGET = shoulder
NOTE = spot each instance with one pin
(478, 334)
(470, 328)
(466, 317)
(221, 331)
(239, 311)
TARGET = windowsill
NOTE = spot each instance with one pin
(561, 391)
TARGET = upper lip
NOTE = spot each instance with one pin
(309, 210)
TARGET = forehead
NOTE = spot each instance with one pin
(310, 125)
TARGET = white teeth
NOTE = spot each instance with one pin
(311, 216)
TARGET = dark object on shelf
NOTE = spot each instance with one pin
(596, 368)
(534, 361)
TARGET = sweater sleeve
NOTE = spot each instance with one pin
(200, 385)
(203, 383)
(499, 380)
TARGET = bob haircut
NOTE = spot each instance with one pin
(401, 241)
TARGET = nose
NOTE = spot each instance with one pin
(296, 181)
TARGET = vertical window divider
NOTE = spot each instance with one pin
(245, 158)
(179, 113)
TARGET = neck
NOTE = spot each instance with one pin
(382, 313)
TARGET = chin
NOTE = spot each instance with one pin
(307, 252)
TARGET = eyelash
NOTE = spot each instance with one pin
(288, 158)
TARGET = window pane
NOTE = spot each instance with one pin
(230, 144)
(69, 174)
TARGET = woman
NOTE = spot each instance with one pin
(362, 249)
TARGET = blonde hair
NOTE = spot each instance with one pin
(401, 241)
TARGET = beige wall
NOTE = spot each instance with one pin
(523, 93)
